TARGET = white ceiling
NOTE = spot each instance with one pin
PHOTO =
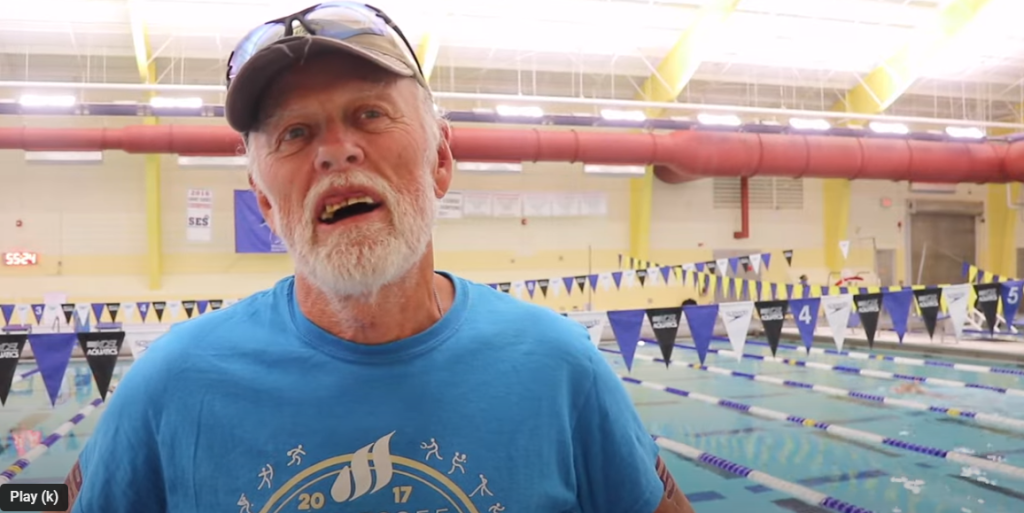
(774, 53)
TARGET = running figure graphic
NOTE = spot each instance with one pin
(434, 449)
(244, 503)
(457, 462)
(497, 508)
(296, 455)
(267, 476)
(482, 489)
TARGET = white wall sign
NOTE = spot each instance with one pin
(199, 213)
(450, 206)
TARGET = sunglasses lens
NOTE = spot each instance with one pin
(256, 40)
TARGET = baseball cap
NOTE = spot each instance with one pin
(348, 27)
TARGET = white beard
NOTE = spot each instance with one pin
(359, 260)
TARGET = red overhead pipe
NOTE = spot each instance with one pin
(678, 156)
(744, 232)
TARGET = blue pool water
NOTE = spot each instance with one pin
(873, 476)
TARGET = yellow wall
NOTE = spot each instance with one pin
(88, 224)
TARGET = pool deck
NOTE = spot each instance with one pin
(943, 344)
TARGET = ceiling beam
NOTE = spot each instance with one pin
(140, 41)
(426, 53)
(883, 86)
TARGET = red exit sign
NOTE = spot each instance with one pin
(21, 258)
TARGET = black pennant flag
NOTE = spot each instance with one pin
(869, 307)
(789, 256)
(505, 287)
(745, 262)
(712, 267)
(101, 351)
(580, 282)
(665, 323)
(189, 305)
(988, 302)
(159, 307)
(216, 304)
(641, 274)
(772, 314)
(113, 308)
(10, 352)
(543, 284)
(69, 311)
(928, 303)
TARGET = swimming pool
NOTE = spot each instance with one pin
(873, 476)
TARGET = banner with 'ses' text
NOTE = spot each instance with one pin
(252, 233)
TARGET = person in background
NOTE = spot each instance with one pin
(689, 302)
(366, 381)
(804, 281)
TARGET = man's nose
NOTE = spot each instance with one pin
(338, 152)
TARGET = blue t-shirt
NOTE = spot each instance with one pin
(502, 406)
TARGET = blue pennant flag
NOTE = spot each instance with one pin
(745, 291)
(568, 280)
(774, 288)
(593, 281)
(789, 290)
(143, 307)
(617, 276)
(1011, 291)
(766, 259)
(965, 269)
(38, 310)
(805, 312)
(97, 310)
(734, 263)
(760, 287)
(664, 273)
(201, 305)
(701, 320)
(53, 352)
(7, 310)
(626, 326)
(700, 267)
(531, 285)
(898, 306)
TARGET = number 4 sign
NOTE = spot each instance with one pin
(806, 313)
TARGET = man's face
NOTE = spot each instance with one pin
(348, 171)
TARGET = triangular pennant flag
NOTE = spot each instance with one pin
(23, 310)
(759, 286)
(701, 321)
(37, 310)
(7, 310)
(745, 264)
(10, 353)
(837, 313)
(626, 325)
(774, 289)
(755, 263)
(139, 346)
(202, 305)
(736, 318)
(505, 287)
(581, 282)
(898, 305)
(712, 267)
(53, 352)
(620, 260)
(617, 278)
(869, 307)
(189, 305)
(665, 323)
(82, 313)
(641, 274)
(543, 284)
(144, 309)
(988, 303)
(1010, 292)
(789, 290)
(158, 308)
(734, 264)
(772, 314)
(593, 281)
(745, 290)
(97, 310)
(568, 284)
(844, 246)
(594, 323)
(531, 286)
(664, 273)
(928, 301)
(216, 304)
(789, 256)
(956, 298)
(965, 268)
(101, 352)
(173, 310)
(126, 310)
(805, 311)
(69, 311)
(766, 259)
(113, 309)
(517, 288)
(722, 264)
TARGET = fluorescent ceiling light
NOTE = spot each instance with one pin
(518, 111)
(719, 119)
(162, 102)
(809, 124)
(965, 132)
(34, 100)
(889, 128)
(490, 167)
(614, 171)
(237, 161)
(623, 115)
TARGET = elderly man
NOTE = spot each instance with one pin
(367, 381)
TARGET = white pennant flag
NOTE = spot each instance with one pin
(957, 298)
(605, 281)
(627, 278)
(653, 275)
(845, 246)
(837, 312)
(723, 265)
(53, 313)
(736, 317)
(593, 321)
(127, 310)
(82, 312)
(518, 287)
(755, 263)
(229, 302)
(555, 286)
(24, 312)
(174, 310)
(689, 267)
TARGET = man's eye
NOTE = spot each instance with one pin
(372, 114)
(294, 132)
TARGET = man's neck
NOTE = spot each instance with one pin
(398, 310)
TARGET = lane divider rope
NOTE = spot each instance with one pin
(863, 372)
(984, 369)
(801, 492)
(836, 429)
(840, 392)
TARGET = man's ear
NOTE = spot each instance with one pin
(445, 163)
(263, 203)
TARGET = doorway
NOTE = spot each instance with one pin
(940, 242)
